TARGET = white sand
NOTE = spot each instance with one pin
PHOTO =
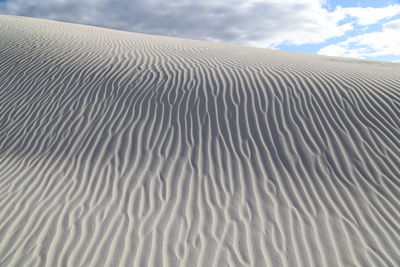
(121, 149)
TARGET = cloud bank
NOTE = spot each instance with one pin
(262, 23)
(374, 44)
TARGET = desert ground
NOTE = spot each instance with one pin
(126, 149)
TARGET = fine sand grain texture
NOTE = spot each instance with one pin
(122, 149)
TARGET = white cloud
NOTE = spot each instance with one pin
(381, 43)
(368, 15)
(263, 23)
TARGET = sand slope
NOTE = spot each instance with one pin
(120, 149)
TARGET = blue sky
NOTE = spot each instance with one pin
(358, 29)
(356, 32)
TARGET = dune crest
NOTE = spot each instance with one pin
(123, 149)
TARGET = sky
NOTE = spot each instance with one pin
(350, 28)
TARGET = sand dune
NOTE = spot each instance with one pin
(122, 149)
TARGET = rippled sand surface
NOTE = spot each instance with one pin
(123, 149)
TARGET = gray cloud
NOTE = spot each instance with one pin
(392, 25)
(264, 23)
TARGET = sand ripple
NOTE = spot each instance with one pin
(121, 149)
